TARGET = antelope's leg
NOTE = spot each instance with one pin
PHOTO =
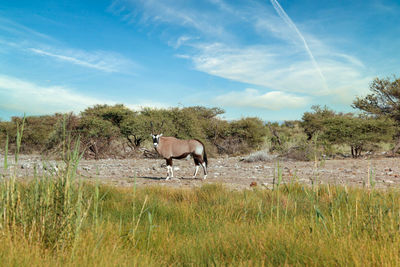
(168, 172)
(195, 172)
(169, 169)
(197, 163)
(203, 164)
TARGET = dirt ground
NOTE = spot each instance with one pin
(230, 171)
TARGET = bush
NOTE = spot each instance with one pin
(258, 156)
(358, 132)
(239, 137)
(116, 131)
(37, 130)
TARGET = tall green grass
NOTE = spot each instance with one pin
(211, 225)
(57, 219)
(50, 209)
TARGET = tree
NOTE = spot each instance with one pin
(286, 137)
(312, 122)
(135, 129)
(64, 130)
(249, 133)
(37, 130)
(358, 132)
(103, 123)
(383, 101)
(97, 134)
(114, 114)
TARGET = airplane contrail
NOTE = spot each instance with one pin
(291, 24)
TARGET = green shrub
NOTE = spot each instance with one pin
(105, 129)
(358, 132)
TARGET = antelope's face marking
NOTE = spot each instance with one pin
(156, 139)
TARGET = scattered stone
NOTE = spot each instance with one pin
(388, 181)
(25, 166)
(226, 170)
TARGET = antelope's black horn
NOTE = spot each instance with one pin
(152, 127)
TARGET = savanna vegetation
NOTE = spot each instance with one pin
(58, 219)
(323, 132)
(117, 131)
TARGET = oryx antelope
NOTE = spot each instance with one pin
(172, 148)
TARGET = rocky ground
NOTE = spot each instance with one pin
(230, 171)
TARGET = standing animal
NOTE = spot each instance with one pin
(172, 148)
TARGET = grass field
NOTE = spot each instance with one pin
(62, 221)
(56, 219)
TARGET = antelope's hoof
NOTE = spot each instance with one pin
(205, 176)
(166, 179)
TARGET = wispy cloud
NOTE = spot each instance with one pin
(24, 39)
(252, 98)
(386, 8)
(104, 61)
(99, 60)
(208, 21)
(289, 22)
(283, 58)
(181, 41)
(18, 30)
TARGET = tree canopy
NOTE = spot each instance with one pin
(384, 101)
(358, 132)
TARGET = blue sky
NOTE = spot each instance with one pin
(271, 59)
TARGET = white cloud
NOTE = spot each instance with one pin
(345, 93)
(147, 104)
(252, 98)
(26, 97)
(23, 96)
(289, 71)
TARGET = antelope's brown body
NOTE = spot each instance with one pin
(172, 148)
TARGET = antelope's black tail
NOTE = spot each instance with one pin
(205, 156)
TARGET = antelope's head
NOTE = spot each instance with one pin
(156, 139)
